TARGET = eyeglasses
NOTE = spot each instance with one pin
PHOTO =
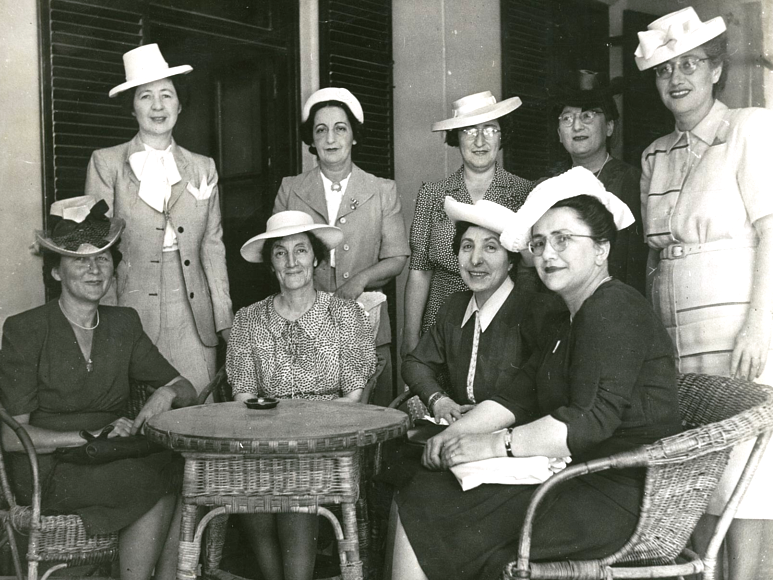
(559, 242)
(488, 132)
(687, 65)
(586, 117)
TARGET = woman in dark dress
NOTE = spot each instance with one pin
(65, 367)
(604, 382)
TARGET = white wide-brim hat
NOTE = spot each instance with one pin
(80, 228)
(476, 109)
(484, 213)
(145, 64)
(673, 35)
(576, 181)
(288, 223)
(333, 94)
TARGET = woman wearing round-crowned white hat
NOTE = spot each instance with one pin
(174, 271)
(708, 218)
(302, 343)
(366, 208)
(598, 384)
(480, 127)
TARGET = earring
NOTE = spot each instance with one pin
(314, 264)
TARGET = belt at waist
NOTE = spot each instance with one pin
(677, 251)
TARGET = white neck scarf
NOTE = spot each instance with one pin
(157, 173)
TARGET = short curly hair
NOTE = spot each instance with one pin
(307, 127)
(716, 50)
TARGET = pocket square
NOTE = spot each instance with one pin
(203, 192)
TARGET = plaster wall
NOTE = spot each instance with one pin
(21, 193)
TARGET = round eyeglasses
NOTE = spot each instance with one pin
(488, 132)
(558, 241)
(687, 65)
(586, 117)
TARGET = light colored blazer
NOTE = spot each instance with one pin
(374, 230)
(196, 223)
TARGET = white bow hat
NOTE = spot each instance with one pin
(79, 227)
(333, 94)
(145, 64)
(577, 181)
(673, 35)
(484, 213)
(476, 109)
(288, 223)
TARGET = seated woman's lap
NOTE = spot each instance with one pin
(479, 529)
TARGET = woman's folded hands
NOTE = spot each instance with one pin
(446, 450)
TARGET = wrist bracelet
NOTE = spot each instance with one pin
(434, 398)
(509, 442)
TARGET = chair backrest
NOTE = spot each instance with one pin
(718, 412)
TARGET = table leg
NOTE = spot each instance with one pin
(188, 554)
(348, 541)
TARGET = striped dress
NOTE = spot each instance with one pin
(702, 191)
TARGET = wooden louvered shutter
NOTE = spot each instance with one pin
(81, 46)
(356, 53)
(526, 38)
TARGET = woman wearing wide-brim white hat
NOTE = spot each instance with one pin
(480, 126)
(174, 271)
(708, 220)
(301, 343)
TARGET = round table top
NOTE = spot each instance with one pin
(294, 426)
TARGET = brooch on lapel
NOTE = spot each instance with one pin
(354, 203)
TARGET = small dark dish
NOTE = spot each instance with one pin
(261, 403)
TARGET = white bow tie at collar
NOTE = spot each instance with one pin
(651, 40)
(157, 172)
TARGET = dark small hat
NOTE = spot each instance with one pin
(79, 226)
(585, 88)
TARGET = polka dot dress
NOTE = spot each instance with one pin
(325, 354)
(432, 232)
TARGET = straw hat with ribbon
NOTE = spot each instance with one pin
(476, 109)
(673, 35)
(333, 94)
(288, 223)
(79, 228)
(577, 181)
(145, 64)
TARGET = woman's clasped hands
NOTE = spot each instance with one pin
(445, 450)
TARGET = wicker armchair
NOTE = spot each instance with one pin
(60, 538)
(682, 472)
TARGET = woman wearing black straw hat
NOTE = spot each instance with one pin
(600, 384)
(708, 218)
(480, 127)
(65, 368)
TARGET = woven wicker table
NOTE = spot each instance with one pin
(294, 458)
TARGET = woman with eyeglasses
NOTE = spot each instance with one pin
(708, 218)
(587, 126)
(480, 127)
(603, 381)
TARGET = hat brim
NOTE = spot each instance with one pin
(487, 113)
(710, 29)
(330, 236)
(45, 242)
(183, 69)
(486, 214)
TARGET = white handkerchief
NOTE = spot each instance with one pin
(508, 470)
(203, 192)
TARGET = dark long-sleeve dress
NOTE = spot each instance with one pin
(609, 375)
(43, 374)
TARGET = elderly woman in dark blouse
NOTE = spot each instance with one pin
(481, 337)
(65, 368)
(605, 381)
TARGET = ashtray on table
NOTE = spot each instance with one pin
(261, 403)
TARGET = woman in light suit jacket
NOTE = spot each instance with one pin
(365, 207)
(174, 270)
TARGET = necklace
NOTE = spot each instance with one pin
(71, 321)
(596, 173)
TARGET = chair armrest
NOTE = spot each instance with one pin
(212, 387)
(29, 448)
(370, 386)
(400, 399)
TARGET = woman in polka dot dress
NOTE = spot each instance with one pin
(480, 129)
